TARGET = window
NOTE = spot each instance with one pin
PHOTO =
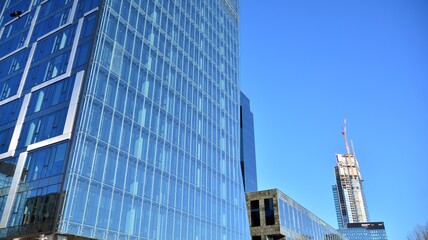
(8, 169)
(11, 110)
(44, 163)
(82, 54)
(51, 95)
(269, 213)
(255, 213)
(54, 43)
(40, 208)
(41, 128)
(104, 207)
(9, 86)
(47, 70)
(13, 63)
(45, 25)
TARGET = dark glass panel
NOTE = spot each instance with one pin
(269, 212)
(255, 213)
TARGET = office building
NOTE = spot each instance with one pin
(119, 119)
(348, 192)
(248, 147)
(365, 231)
(275, 216)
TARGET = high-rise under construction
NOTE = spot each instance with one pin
(348, 192)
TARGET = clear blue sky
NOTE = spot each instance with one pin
(305, 64)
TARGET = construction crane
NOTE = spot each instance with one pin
(351, 161)
(348, 152)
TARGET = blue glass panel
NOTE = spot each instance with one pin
(47, 70)
(22, 5)
(82, 54)
(121, 171)
(104, 207)
(115, 210)
(81, 192)
(93, 201)
(99, 162)
(54, 43)
(50, 7)
(52, 15)
(110, 167)
(87, 158)
(84, 6)
(11, 110)
(8, 169)
(13, 63)
(34, 131)
(9, 85)
(50, 96)
(44, 163)
(12, 42)
(38, 192)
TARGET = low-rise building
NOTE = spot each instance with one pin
(275, 216)
(365, 231)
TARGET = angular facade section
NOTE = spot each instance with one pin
(123, 120)
(273, 215)
(43, 61)
(248, 148)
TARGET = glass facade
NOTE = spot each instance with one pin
(365, 231)
(122, 119)
(248, 148)
(337, 205)
(42, 63)
(299, 221)
(283, 218)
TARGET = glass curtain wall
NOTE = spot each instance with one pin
(123, 119)
(298, 221)
(155, 153)
(44, 51)
(248, 148)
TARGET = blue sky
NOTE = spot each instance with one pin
(305, 64)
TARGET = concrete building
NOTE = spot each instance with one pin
(119, 119)
(248, 146)
(275, 216)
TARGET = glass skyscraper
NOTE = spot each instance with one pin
(119, 119)
(248, 148)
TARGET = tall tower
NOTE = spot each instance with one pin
(119, 119)
(348, 192)
(248, 148)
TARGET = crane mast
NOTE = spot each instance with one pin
(348, 152)
(352, 170)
